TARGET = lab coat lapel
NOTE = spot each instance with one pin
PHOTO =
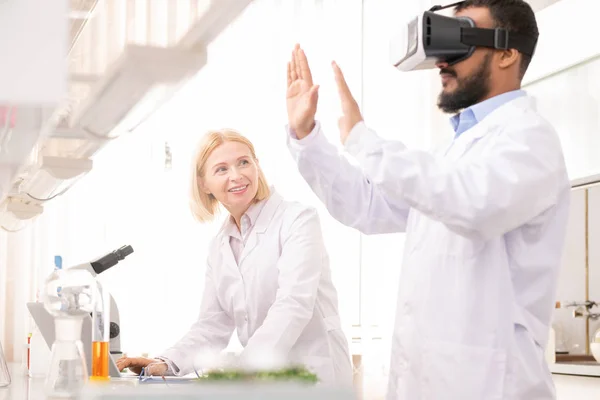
(227, 253)
(464, 142)
(262, 222)
(234, 276)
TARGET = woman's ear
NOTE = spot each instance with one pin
(202, 185)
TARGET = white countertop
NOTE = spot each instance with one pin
(22, 386)
(25, 388)
(576, 368)
(585, 181)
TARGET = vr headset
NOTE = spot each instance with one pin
(431, 38)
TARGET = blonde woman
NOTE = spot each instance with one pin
(267, 273)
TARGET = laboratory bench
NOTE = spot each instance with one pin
(576, 377)
(590, 369)
(572, 380)
(24, 387)
(576, 365)
(571, 387)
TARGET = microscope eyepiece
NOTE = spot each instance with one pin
(124, 251)
(111, 259)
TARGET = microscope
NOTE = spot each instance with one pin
(97, 267)
(45, 321)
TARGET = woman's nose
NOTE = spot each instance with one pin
(234, 174)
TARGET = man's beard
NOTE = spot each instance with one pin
(470, 90)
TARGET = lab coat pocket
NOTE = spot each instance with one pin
(455, 371)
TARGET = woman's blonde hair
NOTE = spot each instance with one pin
(205, 206)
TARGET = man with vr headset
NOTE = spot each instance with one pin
(485, 218)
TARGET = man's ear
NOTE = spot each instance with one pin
(509, 57)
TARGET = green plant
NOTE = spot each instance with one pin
(297, 374)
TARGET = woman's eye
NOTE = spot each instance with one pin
(244, 162)
(221, 169)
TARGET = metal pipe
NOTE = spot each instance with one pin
(587, 271)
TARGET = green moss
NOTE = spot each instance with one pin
(296, 374)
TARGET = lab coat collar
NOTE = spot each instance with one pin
(477, 112)
(495, 120)
(231, 229)
(260, 226)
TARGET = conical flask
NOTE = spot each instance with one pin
(4, 374)
(68, 370)
(68, 296)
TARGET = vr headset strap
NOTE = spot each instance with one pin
(498, 38)
(438, 8)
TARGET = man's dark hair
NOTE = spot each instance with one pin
(513, 15)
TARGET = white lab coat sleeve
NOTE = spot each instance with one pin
(350, 197)
(209, 335)
(484, 196)
(300, 265)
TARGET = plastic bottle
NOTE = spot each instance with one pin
(39, 350)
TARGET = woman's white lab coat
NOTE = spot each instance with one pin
(485, 221)
(280, 298)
